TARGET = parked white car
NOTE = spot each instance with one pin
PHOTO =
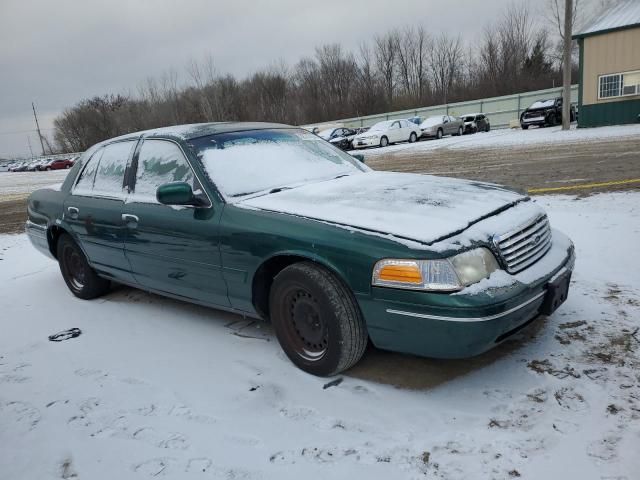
(387, 132)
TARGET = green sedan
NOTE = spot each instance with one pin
(270, 221)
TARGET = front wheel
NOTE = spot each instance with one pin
(524, 127)
(413, 137)
(488, 128)
(316, 320)
(459, 131)
(81, 279)
(439, 134)
(384, 141)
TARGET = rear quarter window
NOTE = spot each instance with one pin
(84, 185)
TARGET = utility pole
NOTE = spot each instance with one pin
(38, 128)
(566, 65)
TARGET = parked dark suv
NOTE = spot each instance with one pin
(475, 122)
(544, 113)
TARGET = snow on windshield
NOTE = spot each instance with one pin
(243, 163)
(542, 104)
(431, 121)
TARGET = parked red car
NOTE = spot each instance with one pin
(58, 164)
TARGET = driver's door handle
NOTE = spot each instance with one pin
(73, 212)
(130, 220)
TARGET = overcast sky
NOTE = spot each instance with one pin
(57, 52)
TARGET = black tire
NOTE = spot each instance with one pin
(459, 132)
(316, 319)
(48, 169)
(524, 127)
(384, 141)
(488, 128)
(413, 137)
(440, 134)
(81, 279)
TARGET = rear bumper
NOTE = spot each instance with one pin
(38, 236)
(461, 325)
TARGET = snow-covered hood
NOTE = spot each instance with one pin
(424, 208)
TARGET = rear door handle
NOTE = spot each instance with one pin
(130, 220)
(73, 212)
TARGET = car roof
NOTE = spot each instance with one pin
(195, 130)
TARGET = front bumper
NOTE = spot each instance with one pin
(463, 324)
(365, 143)
(540, 120)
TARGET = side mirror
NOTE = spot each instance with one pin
(176, 193)
(358, 156)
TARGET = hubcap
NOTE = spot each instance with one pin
(305, 326)
(75, 268)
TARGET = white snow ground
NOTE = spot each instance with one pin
(158, 388)
(506, 138)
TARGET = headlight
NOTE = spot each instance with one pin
(444, 275)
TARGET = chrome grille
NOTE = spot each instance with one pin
(525, 245)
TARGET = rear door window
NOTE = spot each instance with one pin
(110, 175)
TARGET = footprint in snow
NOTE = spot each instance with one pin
(18, 414)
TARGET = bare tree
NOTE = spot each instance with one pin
(446, 62)
(385, 55)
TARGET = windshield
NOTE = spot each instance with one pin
(255, 161)
(469, 118)
(381, 126)
(542, 104)
(326, 133)
(431, 121)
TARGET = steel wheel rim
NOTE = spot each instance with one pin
(75, 268)
(305, 328)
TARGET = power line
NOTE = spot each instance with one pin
(17, 132)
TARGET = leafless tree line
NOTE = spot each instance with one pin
(403, 68)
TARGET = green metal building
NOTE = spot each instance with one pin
(609, 91)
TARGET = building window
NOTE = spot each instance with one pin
(619, 85)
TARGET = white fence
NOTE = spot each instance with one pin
(501, 110)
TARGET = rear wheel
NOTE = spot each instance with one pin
(316, 319)
(488, 128)
(459, 131)
(384, 141)
(413, 137)
(81, 279)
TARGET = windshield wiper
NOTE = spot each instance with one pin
(278, 189)
(342, 175)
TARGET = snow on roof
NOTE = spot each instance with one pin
(194, 130)
(625, 14)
